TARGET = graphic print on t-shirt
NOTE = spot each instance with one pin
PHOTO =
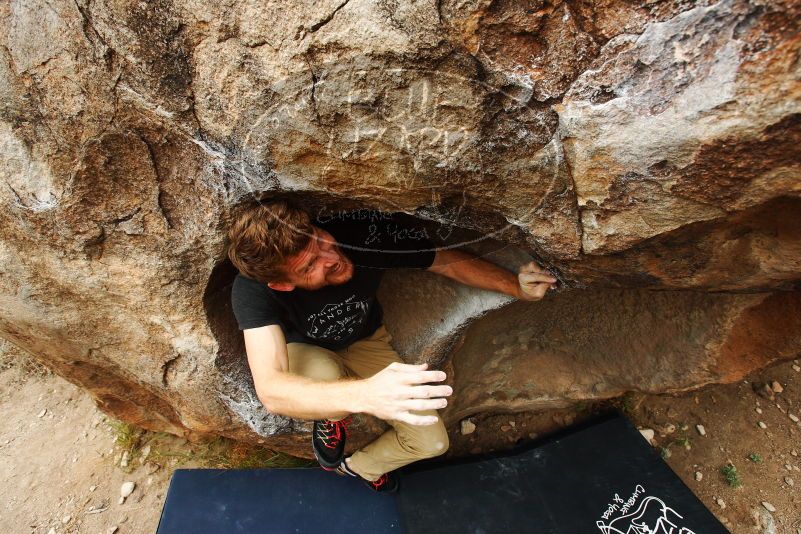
(339, 320)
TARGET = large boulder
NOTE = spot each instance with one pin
(647, 153)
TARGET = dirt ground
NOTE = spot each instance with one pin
(57, 464)
(60, 456)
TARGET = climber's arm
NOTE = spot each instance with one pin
(389, 394)
(530, 283)
(286, 394)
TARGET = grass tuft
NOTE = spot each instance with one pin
(683, 442)
(731, 475)
(219, 453)
(126, 436)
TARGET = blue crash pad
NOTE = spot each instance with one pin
(273, 501)
(602, 478)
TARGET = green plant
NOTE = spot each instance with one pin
(628, 403)
(756, 458)
(683, 442)
(582, 407)
(127, 436)
(219, 452)
(731, 475)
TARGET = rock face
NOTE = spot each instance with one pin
(645, 152)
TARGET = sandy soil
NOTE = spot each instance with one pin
(57, 464)
(59, 461)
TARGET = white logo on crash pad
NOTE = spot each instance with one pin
(640, 514)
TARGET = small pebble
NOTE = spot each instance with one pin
(670, 428)
(796, 368)
(126, 489)
(769, 507)
(762, 425)
(121, 501)
(793, 418)
(124, 460)
(776, 387)
(701, 429)
(758, 410)
(648, 434)
(468, 427)
(698, 476)
(66, 519)
(721, 502)
(112, 530)
(144, 454)
(794, 452)
(789, 481)
(51, 531)
(42, 413)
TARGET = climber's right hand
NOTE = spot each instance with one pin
(400, 388)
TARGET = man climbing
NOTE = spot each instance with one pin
(315, 342)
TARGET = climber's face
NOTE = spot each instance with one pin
(320, 264)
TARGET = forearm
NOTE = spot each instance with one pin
(303, 398)
(475, 272)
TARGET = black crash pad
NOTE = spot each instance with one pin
(603, 478)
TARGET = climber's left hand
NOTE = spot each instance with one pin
(534, 282)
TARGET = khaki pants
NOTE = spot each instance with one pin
(403, 443)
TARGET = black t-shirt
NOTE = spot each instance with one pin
(336, 316)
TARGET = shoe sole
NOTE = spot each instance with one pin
(325, 465)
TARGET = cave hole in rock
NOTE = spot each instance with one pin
(410, 298)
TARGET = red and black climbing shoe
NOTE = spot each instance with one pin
(386, 483)
(328, 442)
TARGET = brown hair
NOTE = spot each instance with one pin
(263, 236)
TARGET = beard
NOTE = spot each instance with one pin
(342, 275)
